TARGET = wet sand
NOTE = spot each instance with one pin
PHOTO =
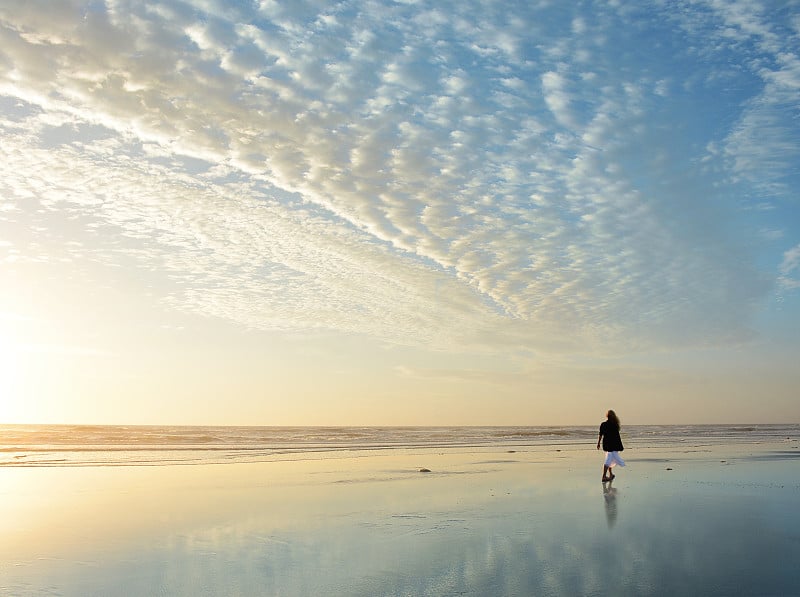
(695, 520)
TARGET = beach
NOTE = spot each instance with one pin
(692, 518)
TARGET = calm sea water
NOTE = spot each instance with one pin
(88, 445)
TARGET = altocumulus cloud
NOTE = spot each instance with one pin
(445, 174)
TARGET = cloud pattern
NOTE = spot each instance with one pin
(433, 174)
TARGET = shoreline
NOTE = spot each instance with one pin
(126, 445)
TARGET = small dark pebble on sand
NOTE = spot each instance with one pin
(424, 470)
(669, 469)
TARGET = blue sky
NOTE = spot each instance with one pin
(493, 210)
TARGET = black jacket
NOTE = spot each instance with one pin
(612, 442)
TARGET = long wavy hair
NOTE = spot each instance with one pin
(612, 416)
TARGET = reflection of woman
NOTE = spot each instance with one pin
(610, 497)
(612, 444)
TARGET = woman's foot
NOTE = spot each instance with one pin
(612, 477)
(606, 479)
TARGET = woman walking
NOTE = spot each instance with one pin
(612, 444)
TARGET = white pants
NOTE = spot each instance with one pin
(612, 459)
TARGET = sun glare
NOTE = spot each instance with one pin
(10, 363)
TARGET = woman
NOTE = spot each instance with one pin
(612, 444)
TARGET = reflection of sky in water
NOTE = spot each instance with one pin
(521, 528)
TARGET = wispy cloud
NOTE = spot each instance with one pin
(790, 268)
(452, 177)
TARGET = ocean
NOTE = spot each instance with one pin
(121, 445)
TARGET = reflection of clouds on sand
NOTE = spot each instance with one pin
(610, 499)
(708, 545)
(690, 548)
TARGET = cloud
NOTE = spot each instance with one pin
(557, 98)
(479, 179)
(763, 144)
(790, 268)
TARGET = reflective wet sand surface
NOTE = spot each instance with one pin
(718, 520)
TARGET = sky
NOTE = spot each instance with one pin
(399, 213)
